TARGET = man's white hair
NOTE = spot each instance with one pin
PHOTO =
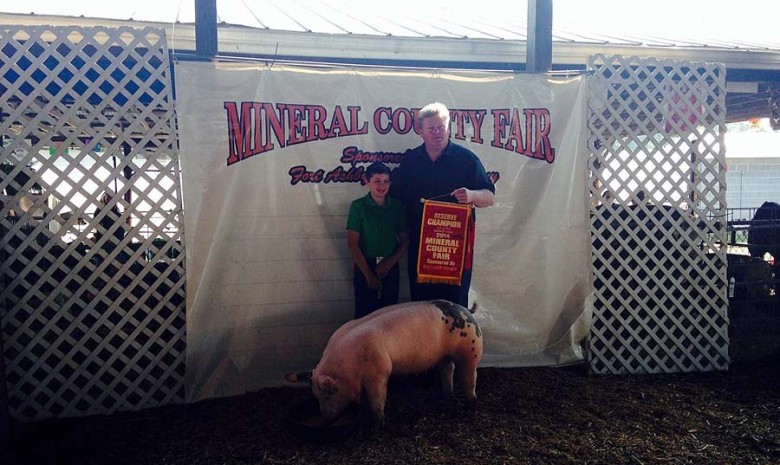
(434, 109)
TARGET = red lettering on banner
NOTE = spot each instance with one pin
(339, 174)
(540, 136)
(354, 117)
(515, 141)
(246, 139)
(531, 139)
(301, 174)
(338, 126)
(378, 114)
(317, 123)
(401, 120)
(274, 122)
(297, 134)
(238, 131)
(259, 127)
(265, 143)
(500, 121)
(353, 155)
(253, 128)
(461, 118)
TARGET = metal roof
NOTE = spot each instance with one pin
(659, 23)
(491, 35)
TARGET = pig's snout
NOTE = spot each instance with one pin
(329, 412)
(334, 398)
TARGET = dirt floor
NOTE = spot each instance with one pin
(524, 415)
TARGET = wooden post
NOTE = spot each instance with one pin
(206, 27)
(538, 51)
(5, 416)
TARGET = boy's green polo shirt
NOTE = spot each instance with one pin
(377, 225)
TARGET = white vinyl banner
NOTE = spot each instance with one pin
(271, 158)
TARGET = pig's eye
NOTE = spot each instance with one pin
(330, 391)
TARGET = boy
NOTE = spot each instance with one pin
(377, 237)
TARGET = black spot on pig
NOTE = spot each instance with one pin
(461, 317)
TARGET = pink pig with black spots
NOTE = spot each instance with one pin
(401, 339)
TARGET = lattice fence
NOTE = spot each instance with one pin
(92, 295)
(658, 216)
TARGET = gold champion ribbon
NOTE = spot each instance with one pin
(444, 242)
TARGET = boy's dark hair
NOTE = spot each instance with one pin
(376, 168)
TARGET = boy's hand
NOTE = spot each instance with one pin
(382, 269)
(373, 281)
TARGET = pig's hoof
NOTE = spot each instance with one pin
(373, 420)
(471, 407)
(376, 426)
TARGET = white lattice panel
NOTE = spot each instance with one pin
(92, 295)
(658, 215)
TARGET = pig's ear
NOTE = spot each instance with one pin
(298, 377)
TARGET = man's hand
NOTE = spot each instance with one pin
(480, 198)
(462, 195)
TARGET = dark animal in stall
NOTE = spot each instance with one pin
(764, 233)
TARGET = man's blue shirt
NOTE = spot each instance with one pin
(418, 177)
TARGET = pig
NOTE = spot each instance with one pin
(401, 339)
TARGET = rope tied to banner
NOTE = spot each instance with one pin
(423, 199)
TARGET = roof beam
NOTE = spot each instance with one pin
(539, 41)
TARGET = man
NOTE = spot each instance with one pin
(445, 171)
